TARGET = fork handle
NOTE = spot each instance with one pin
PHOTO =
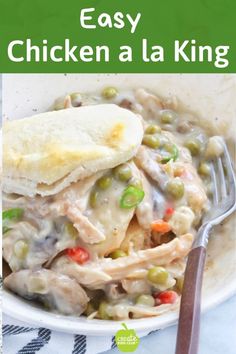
(190, 308)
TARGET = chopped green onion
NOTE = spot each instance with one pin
(131, 197)
(173, 154)
(14, 213)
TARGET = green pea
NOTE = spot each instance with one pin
(180, 284)
(93, 198)
(167, 116)
(109, 93)
(153, 129)
(76, 99)
(21, 249)
(123, 172)
(102, 311)
(209, 190)
(147, 300)
(194, 146)
(117, 254)
(170, 152)
(204, 169)
(71, 230)
(90, 309)
(104, 182)
(152, 141)
(175, 188)
(158, 275)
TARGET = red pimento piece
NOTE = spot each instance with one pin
(168, 213)
(78, 254)
(165, 297)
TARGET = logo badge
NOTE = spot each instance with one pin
(126, 339)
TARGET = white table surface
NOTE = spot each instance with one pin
(218, 334)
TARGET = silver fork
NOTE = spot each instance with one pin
(224, 203)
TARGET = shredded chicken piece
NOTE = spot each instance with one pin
(87, 231)
(175, 268)
(72, 202)
(37, 206)
(91, 276)
(195, 192)
(137, 286)
(77, 194)
(124, 310)
(56, 291)
(151, 103)
(151, 167)
(136, 238)
(95, 275)
(111, 218)
(160, 255)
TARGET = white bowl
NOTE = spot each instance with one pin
(212, 98)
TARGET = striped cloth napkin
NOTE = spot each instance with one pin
(20, 338)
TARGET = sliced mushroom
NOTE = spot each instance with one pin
(58, 292)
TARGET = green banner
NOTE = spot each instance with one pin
(143, 36)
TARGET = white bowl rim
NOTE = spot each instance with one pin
(16, 308)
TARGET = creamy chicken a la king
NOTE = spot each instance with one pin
(102, 199)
